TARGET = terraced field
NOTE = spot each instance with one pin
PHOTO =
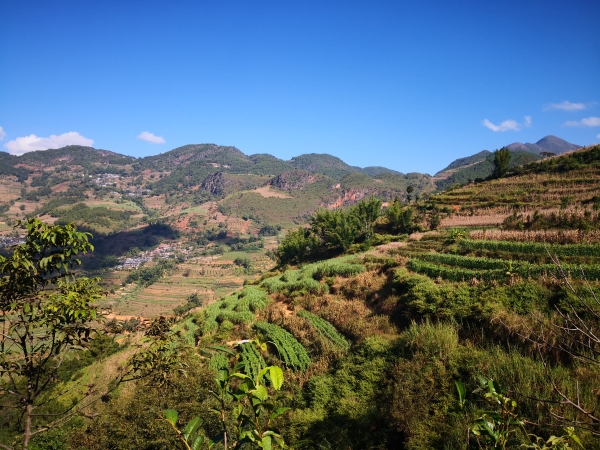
(567, 184)
(496, 260)
(210, 278)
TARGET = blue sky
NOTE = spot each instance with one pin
(407, 85)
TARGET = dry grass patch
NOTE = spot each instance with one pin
(473, 221)
(365, 286)
(61, 187)
(16, 211)
(352, 318)
(549, 236)
(385, 248)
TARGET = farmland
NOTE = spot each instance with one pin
(210, 277)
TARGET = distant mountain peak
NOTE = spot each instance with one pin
(527, 147)
(548, 143)
(556, 145)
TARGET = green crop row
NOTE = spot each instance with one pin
(294, 281)
(218, 361)
(235, 316)
(252, 298)
(465, 269)
(522, 268)
(334, 268)
(532, 247)
(187, 330)
(453, 273)
(253, 359)
(237, 308)
(325, 329)
(466, 262)
(305, 279)
(291, 352)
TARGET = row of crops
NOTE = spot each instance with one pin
(306, 279)
(465, 268)
(252, 357)
(187, 330)
(325, 329)
(241, 308)
(237, 308)
(531, 247)
(290, 351)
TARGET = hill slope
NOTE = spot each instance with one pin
(482, 169)
(568, 183)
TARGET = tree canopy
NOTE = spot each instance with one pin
(501, 162)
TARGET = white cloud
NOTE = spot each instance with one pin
(506, 125)
(32, 142)
(587, 122)
(2, 133)
(598, 136)
(149, 137)
(591, 122)
(565, 106)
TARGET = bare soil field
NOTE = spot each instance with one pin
(16, 211)
(267, 192)
(47, 219)
(9, 190)
(61, 187)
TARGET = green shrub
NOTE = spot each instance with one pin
(218, 361)
(438, 340)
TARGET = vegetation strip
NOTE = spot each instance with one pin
(532, 247)
(253, 359)
(237, 308)
(325, 329)
(291, 352)
(465, 269)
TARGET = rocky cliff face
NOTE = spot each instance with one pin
(349, 197)
(294, 179)
(215, 184)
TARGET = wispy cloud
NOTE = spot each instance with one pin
(507, 125)
(149, 137)
(565, 106)
(598, 136)
(2, 133)
(587, 122)
(32, 142)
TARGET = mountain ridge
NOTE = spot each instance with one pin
(260, 163)
(550, 144)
